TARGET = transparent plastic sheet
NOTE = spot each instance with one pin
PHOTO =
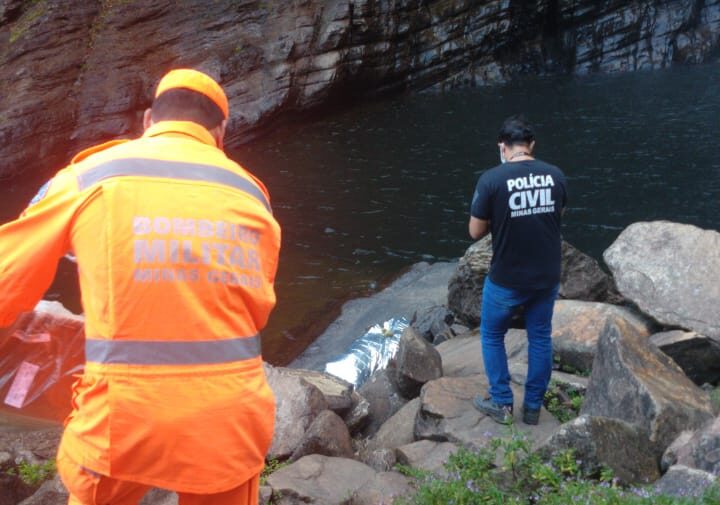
(38, 362)
(369, 353)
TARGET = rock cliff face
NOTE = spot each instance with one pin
(76, 72)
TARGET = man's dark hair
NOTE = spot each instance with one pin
(516, 130)
(180, 104)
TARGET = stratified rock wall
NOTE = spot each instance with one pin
(76, 72)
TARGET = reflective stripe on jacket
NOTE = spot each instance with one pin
(177, 252)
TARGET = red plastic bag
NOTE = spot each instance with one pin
(39, 360)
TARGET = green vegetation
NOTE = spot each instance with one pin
(563, 401)
(508, 472)
(271, 466)
(565, 367)
(33, 474)
(715, 399)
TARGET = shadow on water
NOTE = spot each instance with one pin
(364, 193)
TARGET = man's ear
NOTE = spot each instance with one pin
(532, 146)
(219, 133)
(147, 119)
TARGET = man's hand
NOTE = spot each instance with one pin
(478, 228)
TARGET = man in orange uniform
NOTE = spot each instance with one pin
(177, 250)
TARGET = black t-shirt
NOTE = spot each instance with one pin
(523, 201)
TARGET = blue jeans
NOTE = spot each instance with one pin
(498, 306)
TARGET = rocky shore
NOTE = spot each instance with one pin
(642, 345)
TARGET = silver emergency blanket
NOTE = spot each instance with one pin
(369, 353)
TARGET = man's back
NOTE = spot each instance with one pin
(177, 251)
(523, 202)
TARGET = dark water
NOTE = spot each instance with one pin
(366, 192)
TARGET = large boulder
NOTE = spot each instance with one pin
(327, 435)
(384, 487)
(426, 455)
(679, 448)
(565, 381)
(337, 392)
(433, 322)
(462, 356)
(581, 279)
(633, 381)
(318, 479)
(383, 399)
(359, 416)
(697, 355)
(699, 449)
(684, 482)
(399, 429)
(576, 327)
(601, 441)
(417, 362)
(298, 403)
(671, 271)
(380, 460)
(447, 414)
(466, 283)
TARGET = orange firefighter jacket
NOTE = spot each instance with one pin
(177, 251)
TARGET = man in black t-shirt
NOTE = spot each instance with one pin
(519, 202)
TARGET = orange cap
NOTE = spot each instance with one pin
(196, 81)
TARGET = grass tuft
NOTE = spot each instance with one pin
(508, 472)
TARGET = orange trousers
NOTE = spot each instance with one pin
(88, 488)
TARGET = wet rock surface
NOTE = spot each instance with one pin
(419, 288)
